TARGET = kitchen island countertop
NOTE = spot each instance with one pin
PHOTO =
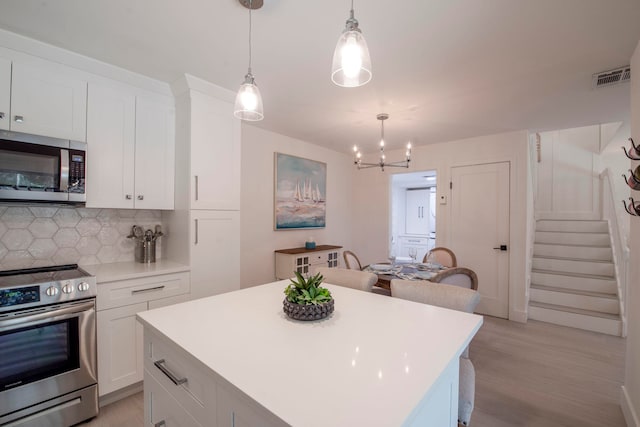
(375, 361)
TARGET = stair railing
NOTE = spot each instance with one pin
(620, 247)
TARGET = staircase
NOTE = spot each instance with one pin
(573, 277)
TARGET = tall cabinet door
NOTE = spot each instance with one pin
(215, 135)
(215, 252)
(155, 154)
(111, 131)
(5, 93)
(48, 101)
(417, 212)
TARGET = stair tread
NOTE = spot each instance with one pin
(574, 244)
(572, 220)
(574, 310)
(573, 259)
(566, 273)
(574, 291)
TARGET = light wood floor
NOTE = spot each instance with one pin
(529, 375)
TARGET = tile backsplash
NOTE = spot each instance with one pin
(33, 236)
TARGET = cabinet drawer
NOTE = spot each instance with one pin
(414, 241)
(126, 292)
(160, 409)
(189, 384)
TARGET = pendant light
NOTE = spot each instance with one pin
(248, 104)
(351, 62)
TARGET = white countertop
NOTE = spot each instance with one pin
(369, 364)
(115, 271)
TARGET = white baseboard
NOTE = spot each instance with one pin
(518, 316)
(630, 415)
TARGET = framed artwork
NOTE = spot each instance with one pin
(300, 193)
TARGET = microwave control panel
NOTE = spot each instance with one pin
(76, 171)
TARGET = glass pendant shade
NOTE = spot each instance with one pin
(351, 61)
(248, 104)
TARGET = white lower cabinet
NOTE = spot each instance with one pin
(5, 93)
(161, 410)
(119, 334)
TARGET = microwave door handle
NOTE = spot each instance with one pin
(64, 170)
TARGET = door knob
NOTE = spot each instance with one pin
(501, 247)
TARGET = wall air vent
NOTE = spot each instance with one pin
(611, 77)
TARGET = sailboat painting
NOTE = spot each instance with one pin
(300, 191)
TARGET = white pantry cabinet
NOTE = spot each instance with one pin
(120, 353)
(131, 149)
(215, 252)
(215, 154)
(48, 100)
(417, 212)
(5, 93)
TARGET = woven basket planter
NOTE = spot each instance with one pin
(308, 312)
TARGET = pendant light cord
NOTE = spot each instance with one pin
(250, 6)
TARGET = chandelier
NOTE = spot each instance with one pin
(382, 163)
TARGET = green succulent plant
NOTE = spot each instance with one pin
(307, 291)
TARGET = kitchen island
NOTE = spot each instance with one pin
(236, 359)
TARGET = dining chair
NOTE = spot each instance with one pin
(441, 255)
(354, 279)
(351, 260)
(455, 298)
(457, 276)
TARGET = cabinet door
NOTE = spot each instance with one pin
(155, 154)
(47, 100)
(161, 409)
(215, 252)
(215, 136)
(5, 93)
(417, 212)
(120, 353)
(110, 147)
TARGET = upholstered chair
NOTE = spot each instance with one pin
(455, 298)
(353, 279)
(351, 261)
(441, 255)
(457, 276)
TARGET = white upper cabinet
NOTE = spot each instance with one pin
(154, 155)
(215, 154)
(5, 93)
(111, 131)
(47, 100)
(130, 143)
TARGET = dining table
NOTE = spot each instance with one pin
(386, 272)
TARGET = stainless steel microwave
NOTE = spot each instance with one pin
(36, 168)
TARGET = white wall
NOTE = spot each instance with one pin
(258, 238)
(631, 389)
(567, 178)
(371, 200)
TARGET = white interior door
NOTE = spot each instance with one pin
(480, 223)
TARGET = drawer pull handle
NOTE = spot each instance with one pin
(139, 291)
(160, 424)
(168, 373)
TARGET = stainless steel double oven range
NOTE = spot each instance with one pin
(47, 347)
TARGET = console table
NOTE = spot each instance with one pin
(305, 261)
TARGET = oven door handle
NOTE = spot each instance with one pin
(49, 313)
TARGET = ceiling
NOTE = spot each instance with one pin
(442, 69)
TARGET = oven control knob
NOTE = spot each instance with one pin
(68, 288)
(83, 286)
(52, 291)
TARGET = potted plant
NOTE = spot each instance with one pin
(306, 299)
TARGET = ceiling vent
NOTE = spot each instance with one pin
(612, 77)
